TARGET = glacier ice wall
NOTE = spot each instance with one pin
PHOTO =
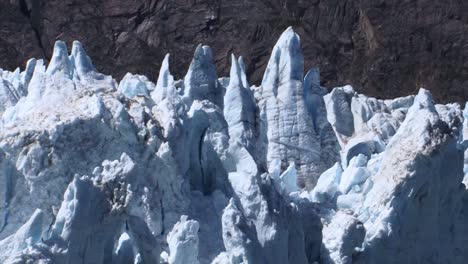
(214, 170)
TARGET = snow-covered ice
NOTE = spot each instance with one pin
(211, 169)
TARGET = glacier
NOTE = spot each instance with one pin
(210, 169)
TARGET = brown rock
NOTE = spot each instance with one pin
(384, 48)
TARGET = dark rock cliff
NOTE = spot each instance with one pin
(384, 48)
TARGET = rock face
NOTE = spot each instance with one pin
(385, 48)
(213, 170)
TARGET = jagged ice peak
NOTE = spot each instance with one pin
(215, 170)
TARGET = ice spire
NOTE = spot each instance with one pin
(80, 60)
(235, 79)
(288, 134)
(165, 81)
(245, 83)
(286, 61)
(239, 107)
(201, 81)
(27, 75)
(60, 61)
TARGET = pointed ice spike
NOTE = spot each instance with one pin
(60, 61)
(27, 74)
(35, 86)
(17, 72)
(201, 81)
(235, 78)
(245, 83)
(80, 60)
(288, 131)
(239, 108)
(424, 100)
(286, 60)
(165, 78)
(165, 81)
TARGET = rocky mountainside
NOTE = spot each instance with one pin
(384, 48)
(210, 169)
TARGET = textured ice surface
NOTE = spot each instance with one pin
(327, 185)
(363, 125)
(287, 130)
(355, 173)
(135, 85)
(240, 108)
(342, 238)
(165, 82)
(60, 62)
(26, 236)
(213, 170)
(201, 81)
(410, 193)
(183, 242)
